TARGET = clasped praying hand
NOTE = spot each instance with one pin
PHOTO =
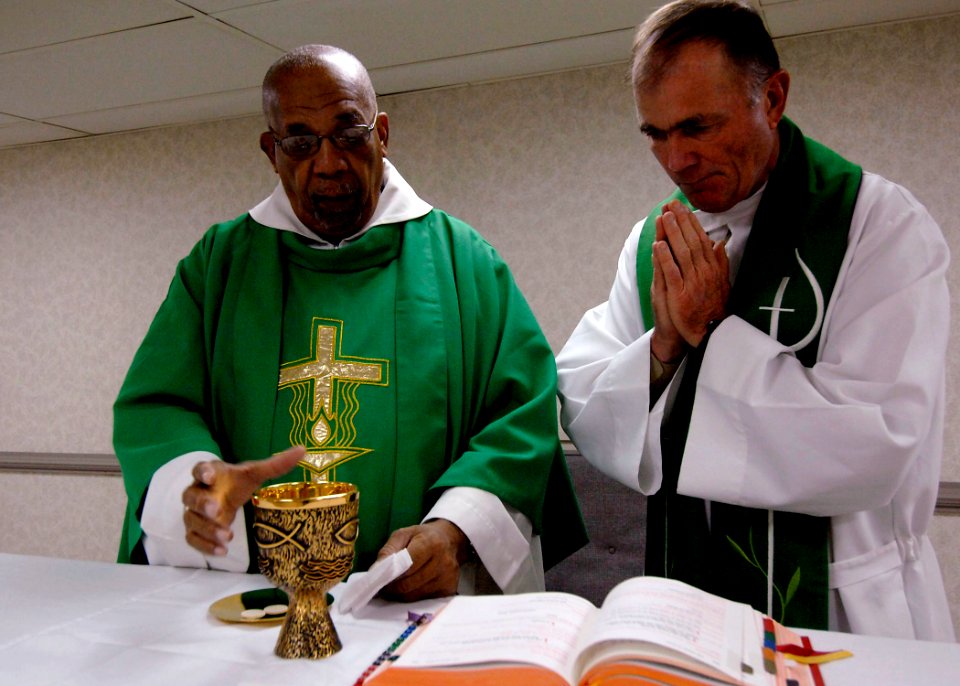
(691, 282)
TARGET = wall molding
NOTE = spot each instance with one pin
(60, 463)
(948, 497)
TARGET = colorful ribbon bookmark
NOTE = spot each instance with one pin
(389, 654)
(809, 656)
(769, 647)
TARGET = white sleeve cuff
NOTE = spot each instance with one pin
(164, 537)
(501, 535)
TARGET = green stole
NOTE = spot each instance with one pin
(337, 393)
(420, 371)
(802, 223)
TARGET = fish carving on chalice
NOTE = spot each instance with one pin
(306, 533)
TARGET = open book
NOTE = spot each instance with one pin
(648, 631)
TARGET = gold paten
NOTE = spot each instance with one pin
(305, 533)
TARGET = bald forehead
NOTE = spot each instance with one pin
(318, 62)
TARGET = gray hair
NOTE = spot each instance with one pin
(730, 24)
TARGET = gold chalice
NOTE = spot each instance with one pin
(305, 532)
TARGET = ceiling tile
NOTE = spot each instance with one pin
(213, 6)
(808, 16)
(396, 32)
(111, 65)
(500, 64)
(199, 108)
(44, 22)
(23, 132)
(164, 62)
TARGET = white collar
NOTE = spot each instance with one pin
(740, 216)
(398, 203)
(732, 226)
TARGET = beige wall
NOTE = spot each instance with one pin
(551, 169)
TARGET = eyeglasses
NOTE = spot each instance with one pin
(306, 145)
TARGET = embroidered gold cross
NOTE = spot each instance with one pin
(325, 367)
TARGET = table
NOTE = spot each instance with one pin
(80, 622)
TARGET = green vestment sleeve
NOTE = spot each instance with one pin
(163, 407)
(507, 433)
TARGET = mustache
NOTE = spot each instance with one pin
(325, 188)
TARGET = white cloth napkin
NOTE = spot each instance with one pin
(361, 591)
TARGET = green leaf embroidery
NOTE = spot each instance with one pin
(751, 560)
(740, 550)
(792, 588)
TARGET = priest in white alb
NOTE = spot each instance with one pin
(768, 367)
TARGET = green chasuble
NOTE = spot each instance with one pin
(411, 350)
(789, 267)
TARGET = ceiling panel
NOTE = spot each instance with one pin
(162, 62)
(212, 6)
(20, 132)
(396, 32)
(207, 107)
(99, 66)
(45, 22)
(807, 16)
(499, 64)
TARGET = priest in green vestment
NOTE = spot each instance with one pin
(345, 322)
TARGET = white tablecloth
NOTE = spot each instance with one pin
(76, 622)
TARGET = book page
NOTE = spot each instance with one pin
(530, 628)
(756, 670)
(672, 616)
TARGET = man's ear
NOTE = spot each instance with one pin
(778, 86)
(269, 147)
(383, 131)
